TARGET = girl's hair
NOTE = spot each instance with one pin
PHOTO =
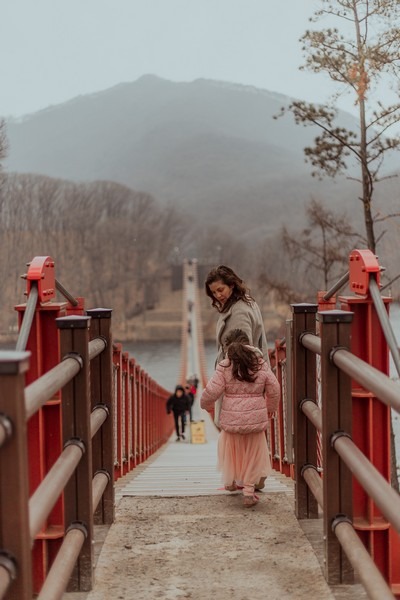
(228, 277)
(244, 361)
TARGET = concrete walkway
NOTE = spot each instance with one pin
(179, 534)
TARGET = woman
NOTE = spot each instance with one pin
(238, 310)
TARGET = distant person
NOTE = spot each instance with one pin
(249, 391)
(237, 309)
(191, 394)
(179, 404)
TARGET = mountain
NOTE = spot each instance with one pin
(211, 148)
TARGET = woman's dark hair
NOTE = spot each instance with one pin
(228, 277)
(244, 361)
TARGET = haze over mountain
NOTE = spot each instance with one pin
(209, 147)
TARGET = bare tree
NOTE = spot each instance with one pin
(3, 147)
(3, 140)
(110, 242)
(358, 60)
(216, 246)
(321, 247)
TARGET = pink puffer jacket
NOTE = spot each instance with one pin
(245, 405)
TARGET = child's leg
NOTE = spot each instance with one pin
(249, 497)
(176, 419)
(183, 421)
(248, 489)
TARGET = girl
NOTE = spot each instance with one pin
(250, 390)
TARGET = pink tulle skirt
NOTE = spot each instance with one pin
(243, 458)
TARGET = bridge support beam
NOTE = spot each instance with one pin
(15, 555)
(102, 392)
(305, 436)
(74, 338)
(335, 329)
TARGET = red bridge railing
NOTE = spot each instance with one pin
(333, 430)
(141, 424)
(76, 412)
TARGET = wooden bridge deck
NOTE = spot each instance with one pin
(184, 469)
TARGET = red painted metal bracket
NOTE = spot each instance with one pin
(41, 269)
(361, 264)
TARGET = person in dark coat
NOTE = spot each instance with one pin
(179, 404)
(190, 392)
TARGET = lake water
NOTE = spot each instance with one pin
(162, 359)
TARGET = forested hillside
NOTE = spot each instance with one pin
(119, 185)
(212, 149)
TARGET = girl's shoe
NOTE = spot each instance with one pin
(249, 501)
(231, 488)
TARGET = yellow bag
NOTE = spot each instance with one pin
(197, 432)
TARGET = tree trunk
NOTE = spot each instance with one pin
(367, 187)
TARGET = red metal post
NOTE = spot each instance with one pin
(79, 309)
(117, 367)
(152, 416)
(44, 428)
(323, 304)
(139, 373)
(132, 370)
(371, 418)
(146, 415)
(125, 414)
(128, 417)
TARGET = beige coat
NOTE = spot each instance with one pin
(246, 317)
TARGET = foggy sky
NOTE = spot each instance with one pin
(54, 50)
